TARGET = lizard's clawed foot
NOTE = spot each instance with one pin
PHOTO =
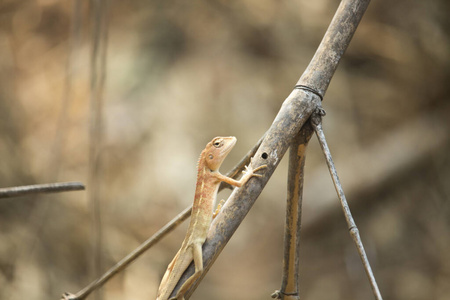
(249, 169)
(219, 207)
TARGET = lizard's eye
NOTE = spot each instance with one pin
(218, 143)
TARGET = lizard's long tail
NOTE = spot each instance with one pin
(173, 273)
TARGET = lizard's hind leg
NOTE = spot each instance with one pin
(196, 249)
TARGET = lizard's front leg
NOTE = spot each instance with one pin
(248, 173)
(196, 249)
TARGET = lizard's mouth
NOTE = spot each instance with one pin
(230, 145)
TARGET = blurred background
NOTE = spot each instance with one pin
(179, 73)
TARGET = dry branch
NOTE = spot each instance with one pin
(293, 114)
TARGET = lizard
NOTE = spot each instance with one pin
(208, 181)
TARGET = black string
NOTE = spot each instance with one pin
(307, 88)
(288, 294)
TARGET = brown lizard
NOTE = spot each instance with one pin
(208, 181)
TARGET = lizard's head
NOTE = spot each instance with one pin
(217, 150)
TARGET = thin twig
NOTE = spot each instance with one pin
(316, 121)
(131, 256)
(385, 161)
(97, 81)
(41, 188)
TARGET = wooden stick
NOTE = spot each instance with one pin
(316, 121)
(40, 188)
(289, 286)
